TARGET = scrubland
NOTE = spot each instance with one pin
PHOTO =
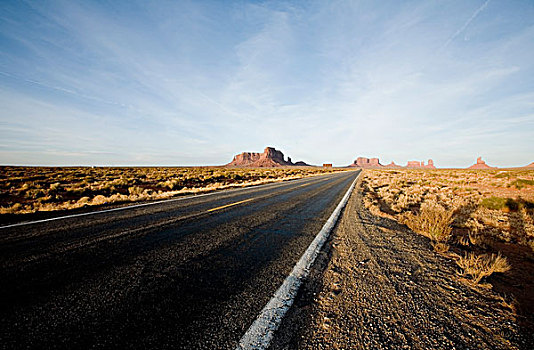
(34, 189)
(483, 220)
(464, 207)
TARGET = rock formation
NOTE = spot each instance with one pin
(393, 165)
(301, 163)
(531, 165)
(418, 164)
(270, 158)
(362, 162)
(480, 164)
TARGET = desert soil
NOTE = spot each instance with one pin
(378, 285)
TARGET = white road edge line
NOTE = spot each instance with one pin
(150, 203)
(261, 332)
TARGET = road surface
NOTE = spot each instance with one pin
(192, 273)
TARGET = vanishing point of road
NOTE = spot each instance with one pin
(190, 274)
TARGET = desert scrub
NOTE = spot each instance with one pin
(503, 212)
(520, 183)
(495, 203)
(506, 204)
(433, 221)
(32, 189)
(476, 267)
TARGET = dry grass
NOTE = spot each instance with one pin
(476, 267)
(469, 211)
(485, 204)
(433, 221)
(32, 189)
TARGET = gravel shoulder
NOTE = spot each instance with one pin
(378, 285)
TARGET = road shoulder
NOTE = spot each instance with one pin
(379, 285)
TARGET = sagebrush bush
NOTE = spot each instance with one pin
(499, 203)
(520, 183)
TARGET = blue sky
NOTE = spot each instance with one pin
(195, 82)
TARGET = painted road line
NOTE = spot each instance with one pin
(230, 205)
(147, 204)
(244, 201)
(261, 332)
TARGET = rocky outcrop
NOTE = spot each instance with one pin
(480, 164)
(531, 165)
(362, 162)
(393, 165)
(270, 158)
(418, 164)
(301, 163)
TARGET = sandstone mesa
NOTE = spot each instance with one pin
(362, 162)
(270, 158)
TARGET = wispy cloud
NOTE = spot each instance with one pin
(467, 23)
(195, 82)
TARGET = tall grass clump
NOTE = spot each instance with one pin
(476, 267)
(432, 221)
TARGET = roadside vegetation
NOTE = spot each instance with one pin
(479, 218)
(33, 189)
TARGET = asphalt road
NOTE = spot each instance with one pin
(192, 273)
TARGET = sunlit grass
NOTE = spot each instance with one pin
(476, 267)
(31, 189)
(467, 214)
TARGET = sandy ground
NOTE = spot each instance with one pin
(380, 286)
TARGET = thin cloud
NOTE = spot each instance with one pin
(466, 24)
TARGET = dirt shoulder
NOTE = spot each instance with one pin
(380, 286)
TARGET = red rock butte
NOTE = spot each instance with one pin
(362, 162)
(480, 164)
(270, 158)
(418, 164)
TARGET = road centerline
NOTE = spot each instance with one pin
(230, 205)
(164, 201)
(78, 245)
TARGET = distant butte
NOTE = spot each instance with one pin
(270, 158)
(418, 164)
(362, 162)
(393, 165)
(480, 164)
